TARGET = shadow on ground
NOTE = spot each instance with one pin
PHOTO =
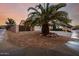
(31, 52)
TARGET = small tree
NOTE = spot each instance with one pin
(27, 25)
(9, 23)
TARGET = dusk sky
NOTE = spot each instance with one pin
(19, 12)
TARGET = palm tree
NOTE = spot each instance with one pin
(42, 14)
(10, 22)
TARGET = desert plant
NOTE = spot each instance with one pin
(9, 23)
(43, 13)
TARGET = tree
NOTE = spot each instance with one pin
(27, 25)
(42, 14)
(10, 22)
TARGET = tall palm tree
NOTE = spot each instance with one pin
(43, 13)
(10, 22)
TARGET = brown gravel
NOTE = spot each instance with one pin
(34, 39)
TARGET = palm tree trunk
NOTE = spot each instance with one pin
(45, 29)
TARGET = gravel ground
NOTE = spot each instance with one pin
(32, 44)
(34, 39)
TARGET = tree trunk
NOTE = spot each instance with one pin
(45, 29)
(54, 26)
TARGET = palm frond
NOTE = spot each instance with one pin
(60, 5)
(61, 13)
(47, 7)
(64, 20)
(33, 13)
(32, 8)
(41, 8)
(35, 22)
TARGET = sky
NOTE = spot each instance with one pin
(18, 12)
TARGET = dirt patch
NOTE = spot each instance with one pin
(34, 39)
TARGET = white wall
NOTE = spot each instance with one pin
(37, 28)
